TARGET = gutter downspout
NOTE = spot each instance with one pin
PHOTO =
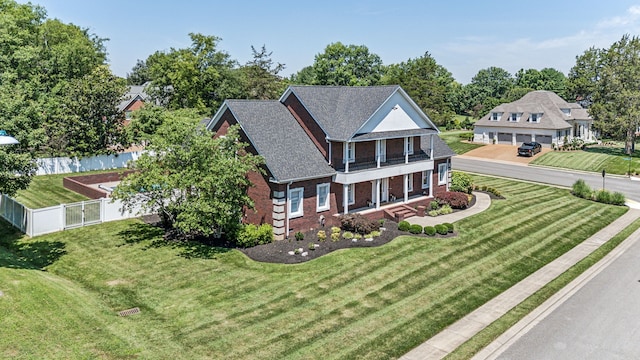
(286, 210)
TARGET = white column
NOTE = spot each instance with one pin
(431, 147)
(430, 183)
(378, 148)
(345, 198)
(345, 157)
(377, 193)
(406, 187)
(406, 150)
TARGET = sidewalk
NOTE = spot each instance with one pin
(483, 201)
(456, 334)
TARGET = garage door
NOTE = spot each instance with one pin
(544, 139)
(520, 138)
(504, 138)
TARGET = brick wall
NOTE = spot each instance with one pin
(309, 125)
(80, 184)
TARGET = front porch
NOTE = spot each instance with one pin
(397, 210)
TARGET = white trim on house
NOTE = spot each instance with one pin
(323, 189)
(296, 202)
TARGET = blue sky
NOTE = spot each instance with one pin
(463, 36)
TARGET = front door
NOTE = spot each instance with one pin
(384, 190)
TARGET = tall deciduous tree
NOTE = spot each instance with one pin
(616, 99)
(350, 65)
(546, 79)
(429, 84)
(584, 76)
(196, 183)
(199, 77)
(487, 90)
(260, 76)
(139, 74)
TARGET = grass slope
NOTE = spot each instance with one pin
(200, 302)
(452, 138)
(592, 159)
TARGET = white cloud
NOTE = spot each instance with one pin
(631, 17)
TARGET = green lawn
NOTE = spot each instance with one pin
(595, 158)
(47, 190)
(201, 302)
(452, 138)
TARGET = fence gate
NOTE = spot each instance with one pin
(81, 214)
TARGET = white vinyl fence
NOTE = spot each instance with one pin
(65, 165)
(35, 222)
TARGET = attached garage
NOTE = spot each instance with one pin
(504, 138)
(545, 140)
(520, 138)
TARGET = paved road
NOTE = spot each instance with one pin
(546, 175)
(599, 321)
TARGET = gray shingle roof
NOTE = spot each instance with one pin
(135, 92)
(539, 101)
(342, 110)
(288, 152)
(440, 148)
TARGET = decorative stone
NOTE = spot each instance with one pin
(300, 250)
(368, 239)
(383, 228)
(292, 252)
(354, 240)
(304, 253)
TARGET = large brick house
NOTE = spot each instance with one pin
(332, 150)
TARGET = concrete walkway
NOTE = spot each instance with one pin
(456, 334)
(483, 201)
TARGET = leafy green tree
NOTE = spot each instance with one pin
(260, 75)
(429, 84)
(16, 169)
(546, 79)
(198, 77)
(139, 74)
(88, 120)
(616, 100)
(584, 76)
(196, 183)
(487, 90)
(305, 76)
(145, 122)
(350, 65)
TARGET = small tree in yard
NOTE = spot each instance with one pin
(196, 183)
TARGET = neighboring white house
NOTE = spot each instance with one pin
(540, 116)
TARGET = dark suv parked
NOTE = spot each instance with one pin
(529, 148)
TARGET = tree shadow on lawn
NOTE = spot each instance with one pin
(27, 254)
(157, 237)
(615, 151)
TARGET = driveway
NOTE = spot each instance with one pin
(502, 153)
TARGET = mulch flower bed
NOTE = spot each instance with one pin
(278, 251)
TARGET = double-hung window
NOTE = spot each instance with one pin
(425, 179)
(410, 183)
(351, 194)
(296, 197)
(322, 197)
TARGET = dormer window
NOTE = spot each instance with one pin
(535, 117)
(515, 117)
(567, 112)
(496, 116)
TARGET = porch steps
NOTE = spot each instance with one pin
(399, 213)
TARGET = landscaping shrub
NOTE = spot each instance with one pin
(251, 235)
(335, 229)
(299, 236)
(617, 198)
(461, 182)
(381, 222)
(433, 205)
(429, 230)
(358, 224)
(335, 236)
(449, 227)
(455, 199)
(375, 233)
(347, 235)
(404, 225)
(415, 229)
(445, 209)
(603, 196)
(441, 229)
(322, 235)
(433, 213)
(494, 192)
(581, 189)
